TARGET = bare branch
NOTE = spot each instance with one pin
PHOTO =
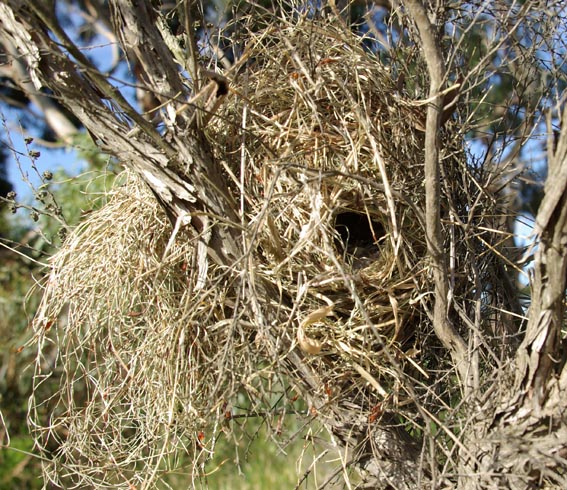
(435, 64)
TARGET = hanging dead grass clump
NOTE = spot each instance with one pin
(122, 296)
(325, 156)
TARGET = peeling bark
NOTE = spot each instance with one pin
(520, 438)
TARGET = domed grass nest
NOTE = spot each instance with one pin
(330, 300)
(326, 156)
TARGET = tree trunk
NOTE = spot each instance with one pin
(519, 438)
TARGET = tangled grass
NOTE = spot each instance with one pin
(325, 155)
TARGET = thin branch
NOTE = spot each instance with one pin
(436, 67)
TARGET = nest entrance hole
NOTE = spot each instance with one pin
(358, 235)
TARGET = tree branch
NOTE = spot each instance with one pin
(163, 165)
(444, 329)
(135, 24)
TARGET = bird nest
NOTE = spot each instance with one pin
(325, 158)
